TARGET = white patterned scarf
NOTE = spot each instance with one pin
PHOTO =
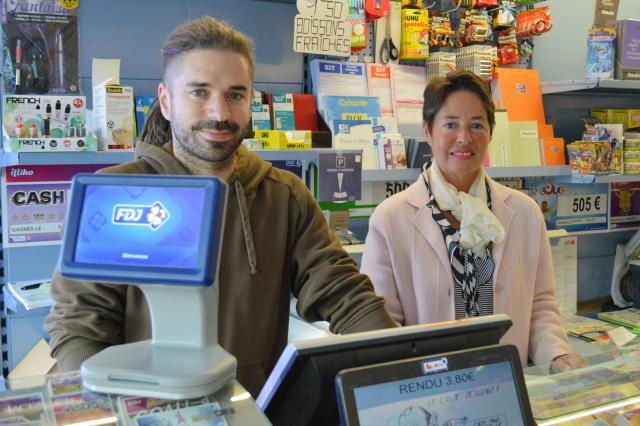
(478, 225)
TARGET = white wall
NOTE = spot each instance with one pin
(561, 53)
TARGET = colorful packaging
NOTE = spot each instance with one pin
(415, 34)
(574, 152)
(143, 106)
(600, 53)
(113, 116)
(45, 123)
(628, 50)
(40, 46)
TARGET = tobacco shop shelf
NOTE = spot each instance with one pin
(26, 158)
(390, 175)
(617, 178)
(602, 231)
(518, 172)
(562, 86)
(295, 154)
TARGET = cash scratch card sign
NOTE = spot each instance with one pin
(34, 203)
(320, 27)
(339, 176)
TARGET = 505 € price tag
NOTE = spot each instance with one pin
(582, 205)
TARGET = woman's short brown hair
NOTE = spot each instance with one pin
(439, 89)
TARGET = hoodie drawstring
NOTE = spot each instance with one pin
(246, 227)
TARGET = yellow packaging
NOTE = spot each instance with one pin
(574, 151)
(633, 119)
(417, 4)
(271, 139)
(610, 116)
(414, 43)
(298, 144)
(277, 139)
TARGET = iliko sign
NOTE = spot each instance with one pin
(320, 28)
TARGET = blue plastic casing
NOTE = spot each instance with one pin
(144, 229)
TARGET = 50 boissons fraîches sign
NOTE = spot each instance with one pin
(320, 28)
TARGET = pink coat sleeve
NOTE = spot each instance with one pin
(547, 337)
(377, 262)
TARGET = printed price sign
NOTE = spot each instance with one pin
(582, 205)
(392, 188)
(572, 206)
(582, 209)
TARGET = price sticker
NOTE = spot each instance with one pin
(392, 188)
(582, 205)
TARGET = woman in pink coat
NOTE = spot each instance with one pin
(457, 244)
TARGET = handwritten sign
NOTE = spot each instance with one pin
(320, 28)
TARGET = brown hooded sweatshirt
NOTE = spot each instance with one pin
(276, 243)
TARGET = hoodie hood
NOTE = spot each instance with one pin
(251, 169)
(160, 158)
(243, 184)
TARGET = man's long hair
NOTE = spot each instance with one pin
(203, 33)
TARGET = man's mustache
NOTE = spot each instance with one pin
(216, 125)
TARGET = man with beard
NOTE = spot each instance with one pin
(276, 240)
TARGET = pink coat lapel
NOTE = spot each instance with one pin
(424, 223)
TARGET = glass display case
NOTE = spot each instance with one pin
(606, 392)
(62, 400)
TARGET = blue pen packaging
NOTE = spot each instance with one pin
(40, 47)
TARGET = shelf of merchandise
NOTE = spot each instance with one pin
(494, 172)
(296, 154)
(530, 171)
(617, 178)
(563, 86)
(390, 175)
(554, 233)
(602, 231)
(115, 157)
(30, 158)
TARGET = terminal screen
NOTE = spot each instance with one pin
(146, 226)
(481, 395)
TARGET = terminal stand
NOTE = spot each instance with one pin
(183, 358)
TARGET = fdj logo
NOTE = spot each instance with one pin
(153, 216)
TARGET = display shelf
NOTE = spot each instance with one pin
(602, 231)
(617, 178)
(519, 172)
(295, 154)
(359, 248)
(563, 86)
(494, 172)
(26, 158)
(604, 392)
(557, 233)
(390, 175)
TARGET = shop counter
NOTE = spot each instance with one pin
(606, 392)
(62, 400)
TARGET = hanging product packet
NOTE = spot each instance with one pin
(40, 47)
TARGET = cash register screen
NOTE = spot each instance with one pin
(474, 387)
(141, 228)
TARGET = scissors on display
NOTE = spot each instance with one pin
(388, 49)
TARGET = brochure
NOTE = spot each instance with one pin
(32, 294)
